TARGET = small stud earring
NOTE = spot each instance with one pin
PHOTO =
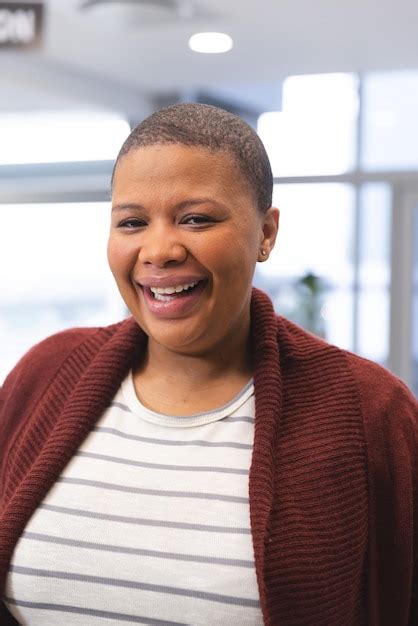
(263, 252)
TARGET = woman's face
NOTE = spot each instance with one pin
(185, 223)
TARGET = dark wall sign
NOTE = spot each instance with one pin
(21, 24)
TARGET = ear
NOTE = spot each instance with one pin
(270, 228)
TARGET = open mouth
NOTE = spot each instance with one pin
(167, 294)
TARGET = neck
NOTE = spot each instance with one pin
(201, 370)
(168, 380)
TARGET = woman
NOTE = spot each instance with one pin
(204, 461)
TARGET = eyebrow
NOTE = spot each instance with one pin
(181, 205)
(126, 206)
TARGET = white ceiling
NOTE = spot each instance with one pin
(117, 55)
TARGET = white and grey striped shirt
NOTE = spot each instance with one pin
(147, 524)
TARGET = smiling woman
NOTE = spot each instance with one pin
(204, 461)
(196, 226)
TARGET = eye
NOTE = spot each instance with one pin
(197, 220)
(131, 223)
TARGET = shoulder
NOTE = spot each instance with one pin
(46, 356)
(56, 345)
(44, 359)
(389, 408)
(379, 392)
(35, 371)
(297, 343)
(376, 381)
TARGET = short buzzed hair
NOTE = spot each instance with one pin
(207, 126)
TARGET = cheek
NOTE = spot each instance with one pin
(120, 256)
(235, 256)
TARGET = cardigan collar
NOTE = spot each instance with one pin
(86, 384)
(268, 408)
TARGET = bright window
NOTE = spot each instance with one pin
(53, 273)
(390, 121)
(315, 131)
(374, 272)
(48, 137)
(310, 273)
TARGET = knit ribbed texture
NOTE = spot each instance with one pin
(314, 535)
(308, 480)
(319, 524)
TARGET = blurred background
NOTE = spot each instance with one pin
(332, 89)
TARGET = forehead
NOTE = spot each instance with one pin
(176, 163)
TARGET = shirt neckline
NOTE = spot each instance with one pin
(183, 421)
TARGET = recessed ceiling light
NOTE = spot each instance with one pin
(210, 43)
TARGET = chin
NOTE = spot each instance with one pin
(173, 337)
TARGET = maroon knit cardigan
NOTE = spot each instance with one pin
(333, 479)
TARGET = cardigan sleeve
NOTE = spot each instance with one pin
(390, 417)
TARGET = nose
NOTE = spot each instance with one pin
(161, 247)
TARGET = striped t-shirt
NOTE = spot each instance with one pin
(147, 524)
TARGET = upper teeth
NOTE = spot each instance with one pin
(169, 290)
